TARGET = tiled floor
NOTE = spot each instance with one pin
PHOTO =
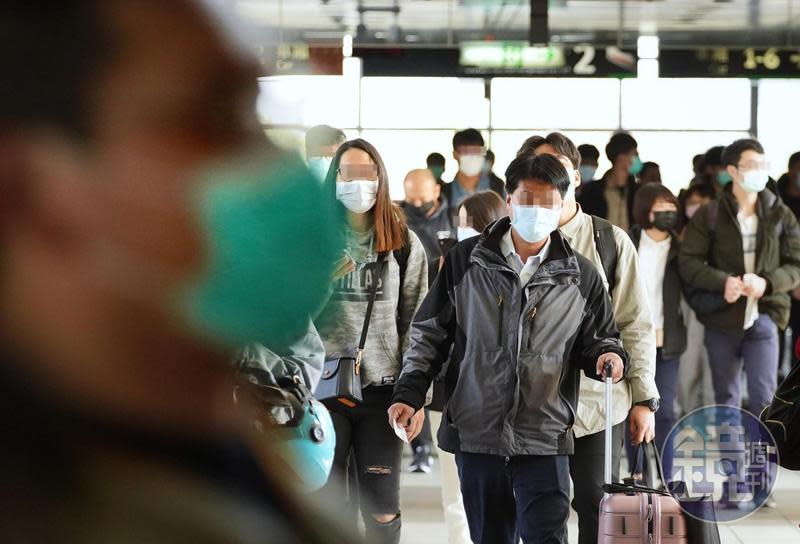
(423, 522)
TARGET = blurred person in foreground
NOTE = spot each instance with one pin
(789, 187)
(143, 238)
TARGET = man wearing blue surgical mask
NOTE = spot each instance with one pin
(745, 247)
(523, 314)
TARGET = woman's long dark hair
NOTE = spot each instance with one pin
(389, 220)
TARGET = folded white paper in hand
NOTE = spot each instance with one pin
(400, 431)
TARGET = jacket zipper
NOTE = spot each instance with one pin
(500, 322)
(531, 317)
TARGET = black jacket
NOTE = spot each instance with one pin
(712, 251)
(593, 200)
(512, 383)
(674, 325)
(434, 232)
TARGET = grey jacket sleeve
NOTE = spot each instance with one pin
(634, 320)
(304, 358)
(414, 289)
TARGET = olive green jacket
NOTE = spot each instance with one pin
(712, 251)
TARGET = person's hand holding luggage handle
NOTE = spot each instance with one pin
(643, 424)
(617, 367)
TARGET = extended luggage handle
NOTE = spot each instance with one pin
(608, 368)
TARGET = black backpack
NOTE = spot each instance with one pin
(607, 249)
(782, 418)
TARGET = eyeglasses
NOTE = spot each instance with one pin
(350, 172)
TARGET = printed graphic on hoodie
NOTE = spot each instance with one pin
(357, 285)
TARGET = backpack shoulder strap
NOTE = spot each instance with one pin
(606, 248)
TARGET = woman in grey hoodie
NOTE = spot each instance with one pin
(376, 227)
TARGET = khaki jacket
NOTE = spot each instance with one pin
(633, 319)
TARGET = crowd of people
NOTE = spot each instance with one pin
(175, 290)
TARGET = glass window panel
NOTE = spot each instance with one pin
(673, 151)
(423, 102)
(404, 150)
(694, 104)
(779, 121)
(521, 103)
(308, 101)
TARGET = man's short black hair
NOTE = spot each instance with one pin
(320, 136)
(733, 153)
(544, 168)
(794, 159)
(468, 136)
(560, 143)
(50, 53)
(619, 144)
(713, 156)
(589, 153)
(435, 159)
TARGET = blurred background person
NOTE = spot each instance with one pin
(478, 212)
(694, 379)
(382, 249)
(698, 168)
(590, 156)
(651, 173)
(322, 141)
(612, 196)
(121, 283)
(655, 235)
(488, 169)
(716, 176)
(436, 164)
(429, 218)
(470, 152)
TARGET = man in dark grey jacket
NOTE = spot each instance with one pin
(516, 305)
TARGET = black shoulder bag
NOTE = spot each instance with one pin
(341, 378)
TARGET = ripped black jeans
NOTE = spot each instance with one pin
(377, 452)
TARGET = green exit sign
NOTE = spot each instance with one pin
(510, 54)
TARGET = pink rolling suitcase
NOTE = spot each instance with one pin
(631, 513)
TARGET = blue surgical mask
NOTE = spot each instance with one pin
(636, 166)
(723, 178)
(587, 173)
(467, 232)
(273, 235)
(534, 223)
(320, 166)
(755, 181)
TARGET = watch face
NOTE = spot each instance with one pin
(654, 404)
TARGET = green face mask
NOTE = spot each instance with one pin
(273, 235)
(636, 166)
(724, 178)
(437, 172)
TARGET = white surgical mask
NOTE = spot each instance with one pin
(535, 223)
(358, 195)
(471, 165)
(467, 232)
(755, 181)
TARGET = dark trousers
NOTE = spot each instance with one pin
(794, 323)
(666, 416)
(586, 467)
(502, 494)
(376, 450)
(424, 437)
(757, 352)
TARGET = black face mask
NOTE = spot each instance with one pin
(424, 209)
(666, 221)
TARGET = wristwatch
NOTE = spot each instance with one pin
(653, 404)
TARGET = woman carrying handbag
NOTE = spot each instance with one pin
(365, 328)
